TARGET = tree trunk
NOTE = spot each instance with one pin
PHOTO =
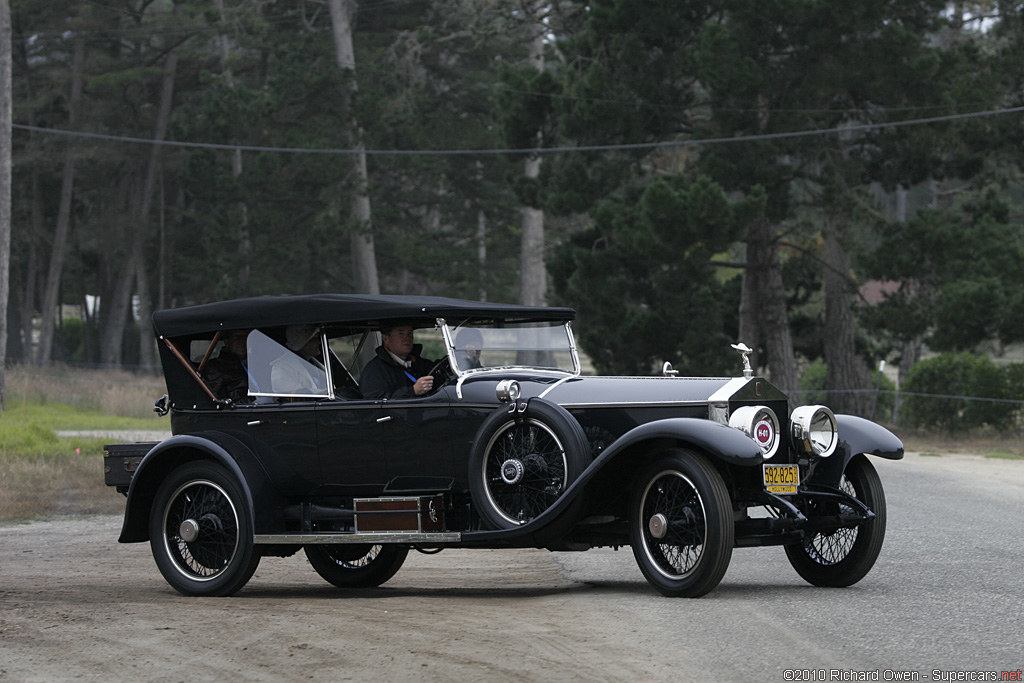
(364, 255)
(28, 300)
(60, 237)
(244, 240)
(533, 283)
(5, 186)
(117, 318)
(846, 371)
(533, 271)
(481, 254)
(750, 332)
(770, 307)
(911, 353)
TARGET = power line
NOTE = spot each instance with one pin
(534, 151)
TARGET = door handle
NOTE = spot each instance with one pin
(386, 418)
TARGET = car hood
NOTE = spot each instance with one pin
(598, 391)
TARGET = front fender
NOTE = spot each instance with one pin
(717, 440)
(865, 436)
(177, 450)
(856, 436)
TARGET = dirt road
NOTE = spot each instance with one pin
(75, 604)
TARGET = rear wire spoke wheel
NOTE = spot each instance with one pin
(523, 462)
(681, 525)
(843, 556)
(356, 565)
(200, 531)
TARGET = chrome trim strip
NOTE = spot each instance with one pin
(572, 349)
(730, 388)
(379, 537)
(325, 353)
(646, 404)
(555, 385)
(502, 370)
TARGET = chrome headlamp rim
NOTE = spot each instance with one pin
(508, 390)
(815, 431)
(760, 424)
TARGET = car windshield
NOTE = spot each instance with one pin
(548, 346)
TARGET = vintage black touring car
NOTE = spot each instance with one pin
(511, 447)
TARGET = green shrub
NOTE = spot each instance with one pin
(813, 385)
(948, 377)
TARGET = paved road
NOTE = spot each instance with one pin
(946, 596)
(947, 593)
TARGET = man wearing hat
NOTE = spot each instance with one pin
(397, 371)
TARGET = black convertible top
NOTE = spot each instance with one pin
(272, 311)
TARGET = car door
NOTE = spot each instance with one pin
(352, 460)
(418, 442)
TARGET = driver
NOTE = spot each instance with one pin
(397, 371)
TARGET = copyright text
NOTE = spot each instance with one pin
(819, 675)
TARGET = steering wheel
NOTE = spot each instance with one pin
(441, 371)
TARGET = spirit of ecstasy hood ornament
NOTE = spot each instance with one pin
(748, 372)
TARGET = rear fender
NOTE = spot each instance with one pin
(170, 454)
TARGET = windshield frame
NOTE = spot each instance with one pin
(448, 334)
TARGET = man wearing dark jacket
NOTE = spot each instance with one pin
(397, 371)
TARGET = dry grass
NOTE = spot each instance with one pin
(56, 485)
(112, 392)
(44, 476)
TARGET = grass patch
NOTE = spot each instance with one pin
(931, 455)
(107, 392)
(42, 475)
(1005, 456)
(60, 417)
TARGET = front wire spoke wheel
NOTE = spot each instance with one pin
(679, 548)
(844, 555)
(681, 525)
(833, 547)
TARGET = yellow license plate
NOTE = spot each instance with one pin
(781, 478)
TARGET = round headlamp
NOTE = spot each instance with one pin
(815, 431)
(507, 390)
(760, 424)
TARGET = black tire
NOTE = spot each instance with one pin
(356, 565)
(200, 531)
(681, 524)
(844, 556)
(522, 462)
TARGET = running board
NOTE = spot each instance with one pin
(382, 537)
